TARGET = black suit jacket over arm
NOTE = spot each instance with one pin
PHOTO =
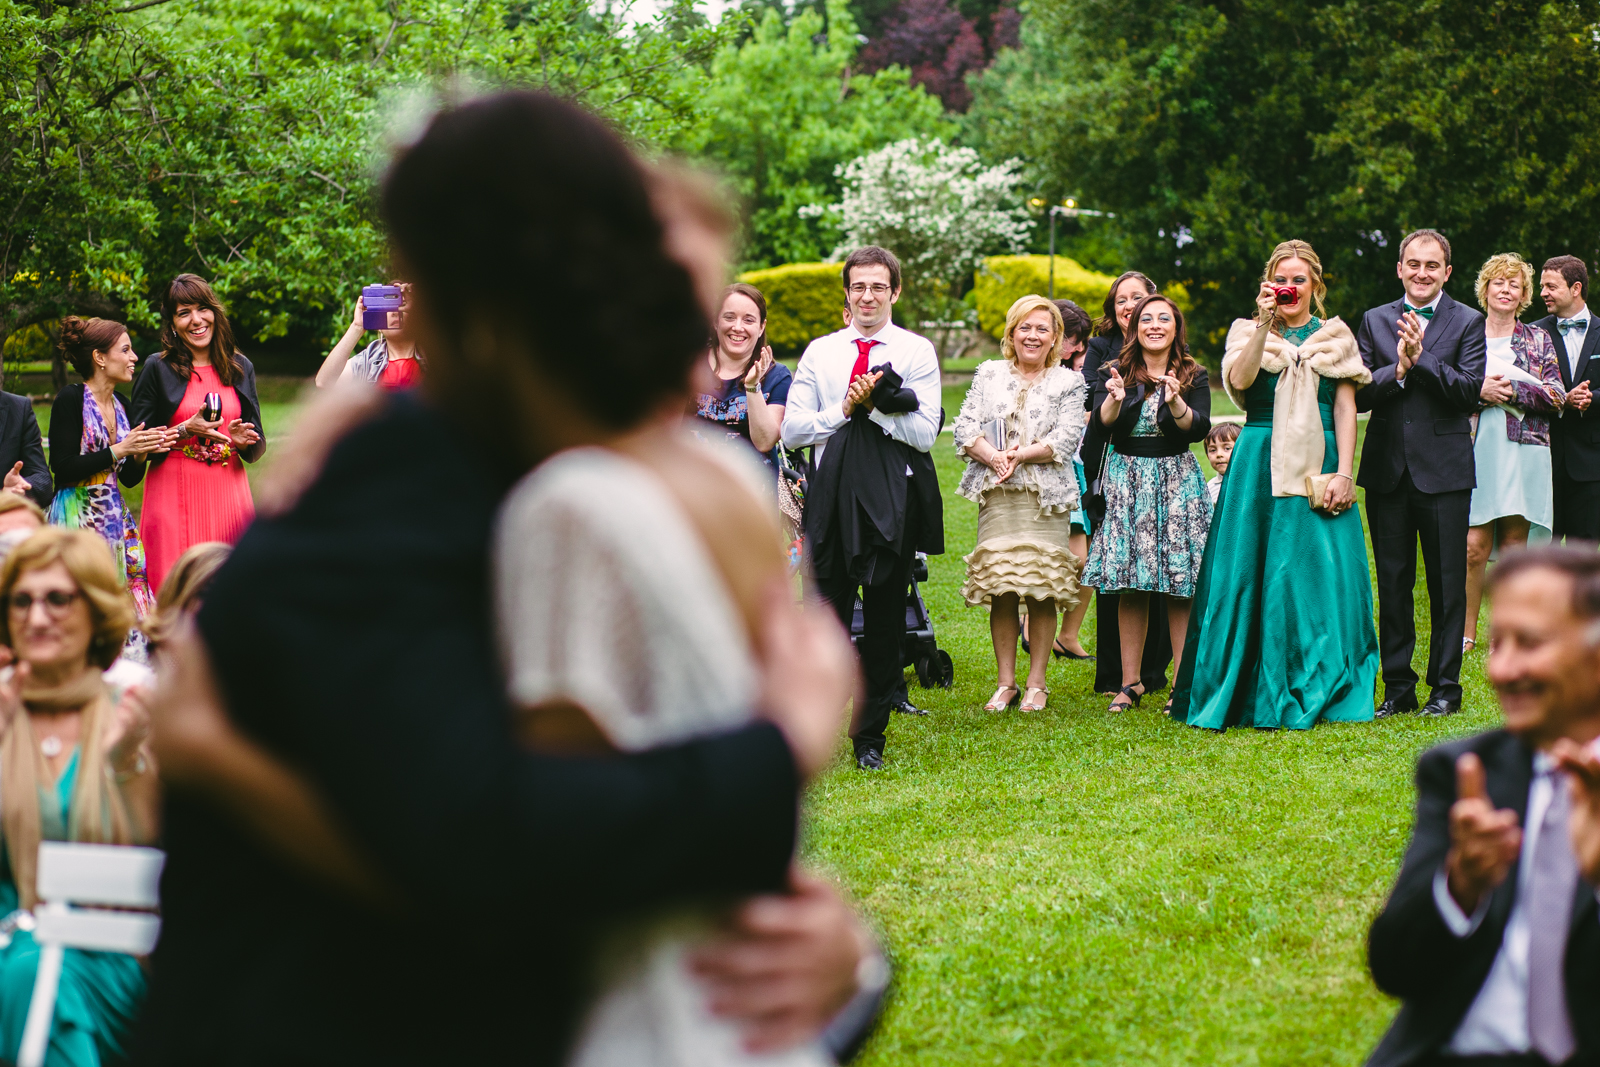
(1413, 954)
(158, 392)
(1574, 434)
(1173, 441)
(71, 465)
(1423, 425)
(20, 440)
(353, 638)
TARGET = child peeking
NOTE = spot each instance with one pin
(1219, 449)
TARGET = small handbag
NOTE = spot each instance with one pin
(1317, 491)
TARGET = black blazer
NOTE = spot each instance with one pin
(1424, 424)
(158, 392)
(1575, 435)
(1099, 352)
(1413, 954)
(70, 464)
(1173, 441)
(354, 639)
(20, 439)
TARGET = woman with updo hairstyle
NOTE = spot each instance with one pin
(94, 451)
(1153, 403)
(74, 766)
(1281, 632)
(199, 490)
(1019, 429)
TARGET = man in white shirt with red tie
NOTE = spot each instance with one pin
(841, 377)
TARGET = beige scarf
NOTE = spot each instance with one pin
(1297, 442)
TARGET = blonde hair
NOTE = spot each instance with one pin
(17, 502)
(1025, 306)
(1505, 265)
(98, 813)
(1299, 250)
(184, 585)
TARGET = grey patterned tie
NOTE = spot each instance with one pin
(1552, 881)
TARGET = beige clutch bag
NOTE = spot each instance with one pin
(1317, 491)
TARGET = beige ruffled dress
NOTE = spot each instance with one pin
(1024, 523)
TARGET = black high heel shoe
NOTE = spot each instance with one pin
(1067, 653)
(1133, 698)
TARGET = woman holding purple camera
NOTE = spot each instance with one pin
(392, 360)
(203, 387)
(1280, 633)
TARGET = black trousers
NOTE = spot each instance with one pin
(882, 647)
(1398, 520)
(1108, 645)
(1577, 504)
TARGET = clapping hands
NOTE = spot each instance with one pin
(1580, 397)
(1115, 389)
(141, 442)
(860, 393)
(242, 434)
(1409, 348)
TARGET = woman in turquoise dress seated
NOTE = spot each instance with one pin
(1281, 630)
(73, 767)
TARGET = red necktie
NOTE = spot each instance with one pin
(863, 346)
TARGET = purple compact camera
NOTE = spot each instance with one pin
(379, 301)
(211, 411)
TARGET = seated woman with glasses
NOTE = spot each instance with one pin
(74, 766)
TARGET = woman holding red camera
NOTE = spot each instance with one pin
(1281, 630)
(391, 361)
(202, 386)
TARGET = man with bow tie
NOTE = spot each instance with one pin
(867, 400)
(1491, 935)
(1427, 356)
(1575, 435)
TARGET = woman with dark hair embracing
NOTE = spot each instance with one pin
(202, 386)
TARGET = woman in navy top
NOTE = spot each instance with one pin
(751, 389)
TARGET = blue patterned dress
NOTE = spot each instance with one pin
(1157, 516)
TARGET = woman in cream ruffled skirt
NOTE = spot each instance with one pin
(1019, 429)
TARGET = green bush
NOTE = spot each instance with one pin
(1000, 280)
(804, 300)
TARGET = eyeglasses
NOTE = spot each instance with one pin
(55, 601)
(862, 288)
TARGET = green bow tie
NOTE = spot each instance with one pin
(1426, 313)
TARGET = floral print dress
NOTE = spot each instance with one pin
(1157, 517)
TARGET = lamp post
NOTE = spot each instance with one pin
(1068, 208)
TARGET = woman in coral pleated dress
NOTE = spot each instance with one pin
(205, 388)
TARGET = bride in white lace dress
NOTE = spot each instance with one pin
(628, 579)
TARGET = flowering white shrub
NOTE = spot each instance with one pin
(937, 208)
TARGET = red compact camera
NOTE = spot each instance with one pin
(1285, 294)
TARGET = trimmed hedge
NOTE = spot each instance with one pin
(1000, 280)
(804, 300)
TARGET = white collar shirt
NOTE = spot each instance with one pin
(1572, 341)
(816, 398)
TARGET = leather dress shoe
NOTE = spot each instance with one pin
(869, 759)
(1395, 706)
(905, 707)
(1438, 707)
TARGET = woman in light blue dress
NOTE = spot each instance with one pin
(73, 767)
(1512, 504)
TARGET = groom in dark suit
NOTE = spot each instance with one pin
(1575, 435)
(1490, 935)
(1426, 353)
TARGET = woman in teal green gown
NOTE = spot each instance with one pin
(75, 746)
(1281, 627)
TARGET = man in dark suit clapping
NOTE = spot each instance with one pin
(22, 451)
(1491, 936)
(1575, 435)
(1426, 354)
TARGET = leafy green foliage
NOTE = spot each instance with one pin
(1215, 130)
(804, 301)
(1001, 280)
(784, 110)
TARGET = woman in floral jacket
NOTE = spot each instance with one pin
(1521, 390)
(1019, 429)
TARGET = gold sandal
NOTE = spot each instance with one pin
(1029, 705)
(996, 704)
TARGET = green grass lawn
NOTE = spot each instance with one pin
(1078, 887)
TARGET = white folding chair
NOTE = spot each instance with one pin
(108, 876)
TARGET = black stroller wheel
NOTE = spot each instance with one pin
(925, 672)
(947, 670)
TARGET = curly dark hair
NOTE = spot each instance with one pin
(513, 213)
(1108, 310)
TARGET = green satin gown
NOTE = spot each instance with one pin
(1280, 634)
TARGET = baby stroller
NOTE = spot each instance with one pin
(921, 649)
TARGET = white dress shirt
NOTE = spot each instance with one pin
(1497, 1022)
(1572, 341)
(816, 398)
(1424, 320)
